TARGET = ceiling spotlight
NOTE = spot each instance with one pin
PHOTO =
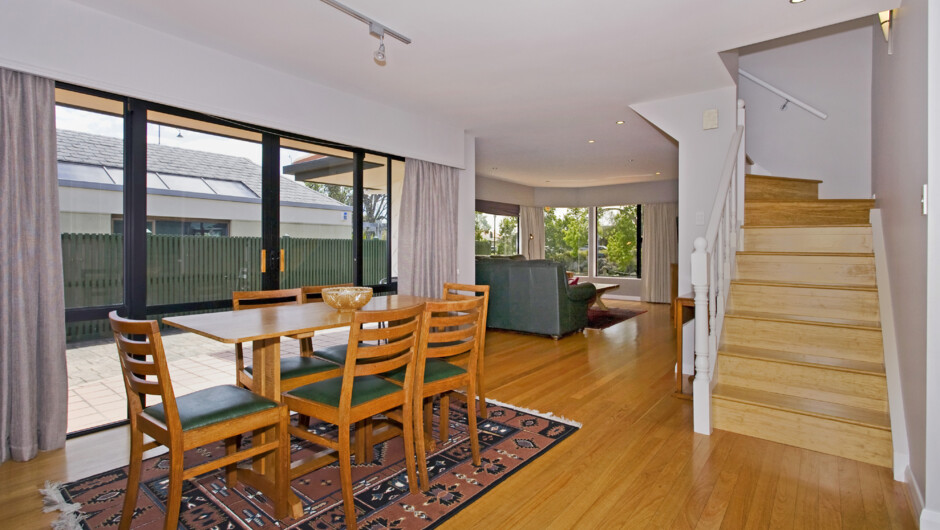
(619, 122)
(380, 53)
(658, 173)
(797, 1)
(590, 141)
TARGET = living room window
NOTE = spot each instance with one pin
(566, 238)
(617, 253)
(496, 229)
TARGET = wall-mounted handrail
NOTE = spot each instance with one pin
(788, 97)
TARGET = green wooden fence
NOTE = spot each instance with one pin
(200, 269)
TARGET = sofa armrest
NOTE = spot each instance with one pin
(581, 291)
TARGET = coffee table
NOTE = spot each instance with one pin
(601, 289)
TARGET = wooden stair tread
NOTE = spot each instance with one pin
(810, 407)
(854, 225)
(841, 287)
(814, 202)
(808, 254)
(787, 179)
(818, 321)
(804, 359)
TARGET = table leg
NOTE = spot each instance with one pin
(600, 303)
(677, 315)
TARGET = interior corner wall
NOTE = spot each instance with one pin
(466, 206)
(490, 189)
(701, 156)
(70, 42)
(830, 69)
(899, 170)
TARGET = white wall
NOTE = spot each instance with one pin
(70, 42)
(637, 193)
(829, 68)
(701, 156)
(930, 518)
(489, 189)
(899, 169)
(466, 268)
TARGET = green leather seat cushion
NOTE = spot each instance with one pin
(212, 405)
(434, 370)
(300, 366)
(336, 353)
(365, 388)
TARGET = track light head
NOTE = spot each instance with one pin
(380, 53)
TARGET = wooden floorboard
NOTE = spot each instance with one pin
(635, 464)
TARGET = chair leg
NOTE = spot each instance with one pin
(444, 417)
(133, 479)
(407, 427)
(345, 476)
(231, 470)
(420, 449)
(359, 445)
(430, 444)
(282, 469)
(481, 388)
(175, 490)
(472, 427)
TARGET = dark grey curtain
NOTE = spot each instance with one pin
(427, 248)
(33, 379)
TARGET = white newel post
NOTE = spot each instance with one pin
(701, 387)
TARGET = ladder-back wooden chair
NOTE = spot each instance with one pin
(359, 394)
(193, 420)
(458, 291)
(295, 371)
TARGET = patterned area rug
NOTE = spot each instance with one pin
(604, 318)
(510, 439)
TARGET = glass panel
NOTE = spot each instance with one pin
(617, 243)
(566, 238)
(189, 184)
(232, 189)
(201, 249)
(92, 259)
(496, 235)
(316, 218)
(375, 203)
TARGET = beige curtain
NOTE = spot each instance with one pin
(33, 378)
(532, 232)
(660, 247)
(427, 248)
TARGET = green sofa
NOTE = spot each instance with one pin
(533, 296)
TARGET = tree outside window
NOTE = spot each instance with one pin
(618, 244)
(566, 238)
(496, 234)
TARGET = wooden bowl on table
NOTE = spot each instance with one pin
(346, 299)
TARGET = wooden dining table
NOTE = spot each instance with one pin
(264, 327)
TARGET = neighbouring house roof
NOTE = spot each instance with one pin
(96, 150)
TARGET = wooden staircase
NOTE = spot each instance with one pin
(801, 359)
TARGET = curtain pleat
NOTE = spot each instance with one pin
(660, 248)
(427, 248)
(532, 232)
(33, 376)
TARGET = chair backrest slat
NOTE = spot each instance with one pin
(314, 293)
(269, 298)
(449, 322)
(141, 367)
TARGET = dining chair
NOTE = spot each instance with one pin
(458, 291)
(359, 394)
(314, 293)
(189, 421)
(448, 329)
(295, 371)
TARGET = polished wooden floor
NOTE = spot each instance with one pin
(634, 464)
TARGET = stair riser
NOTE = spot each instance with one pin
(839, 342)
(826, 303)
(826, 270)
(847, 440)
(812, 382)
(764, 189)
(819, 213)
(808, 239)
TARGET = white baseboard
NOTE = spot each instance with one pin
(929, 520)
(621, 297)
(917, 498)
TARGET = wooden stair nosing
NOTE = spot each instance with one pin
(797, 285)
(869, 325)
(813, 202)
(853, 225)
(804, 359)
(807, 254)
(805, 406)
(786, 179)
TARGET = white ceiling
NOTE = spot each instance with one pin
(534, 80)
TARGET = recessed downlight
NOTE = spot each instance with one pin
(619, 122)
(590, 141)
(797, 1)
(658, 173)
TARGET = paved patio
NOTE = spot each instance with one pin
(96, 387)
